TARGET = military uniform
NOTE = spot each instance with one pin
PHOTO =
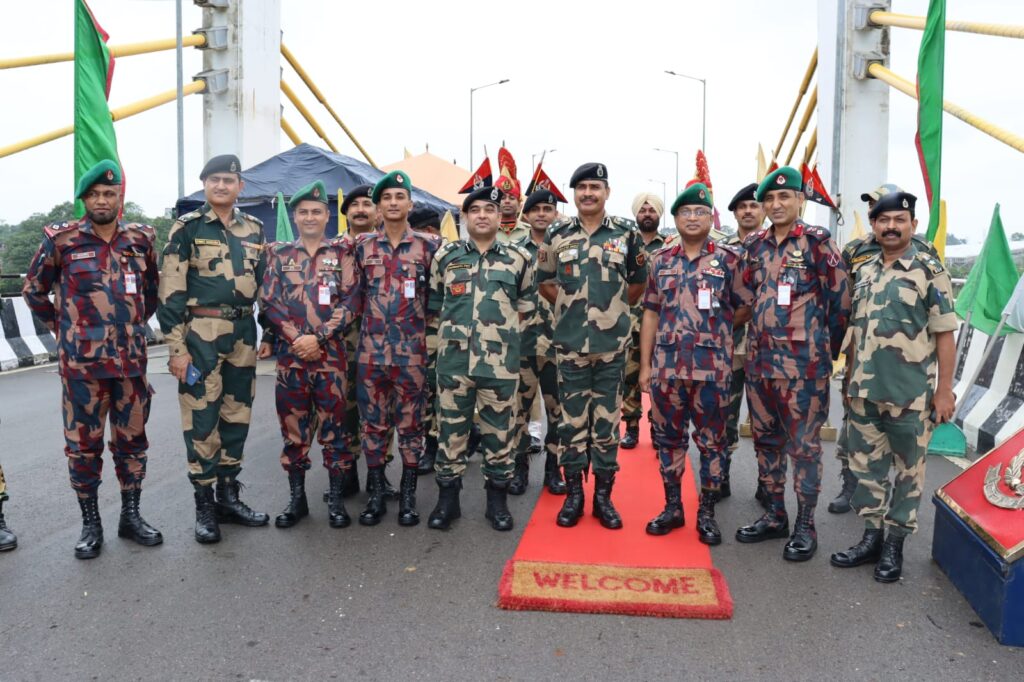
(479, 298)
(103, 294)
(513, 233)
(799, 316)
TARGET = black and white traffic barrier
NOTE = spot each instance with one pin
(993, 407)
(24, 340)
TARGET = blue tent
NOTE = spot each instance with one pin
(291, 170)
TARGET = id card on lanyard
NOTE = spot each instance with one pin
(130, 284)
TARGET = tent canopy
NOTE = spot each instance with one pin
(434, 174)
(295, 168)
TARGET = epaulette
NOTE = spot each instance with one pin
(280, 247)
(664, 249)
(931, 263)
(427, 236)
(850, 248)
(754, 236)
(521, 250)
(253, 218)
(624, 223)
(923, 243)
(53, 229)
(147, 230)
(558, 225)
(817, 232)
(730, 248)
(448, 248)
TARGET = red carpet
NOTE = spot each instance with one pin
(588, 569)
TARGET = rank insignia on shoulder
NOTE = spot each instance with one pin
(208, 242)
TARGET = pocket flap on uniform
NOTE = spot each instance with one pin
(787, 333)
(668, 339)
(454, 332)
(501, 276)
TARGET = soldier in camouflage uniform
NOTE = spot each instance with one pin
(749, 218)
(8, 540)
(648, 209)
(538, 372)
(309, 296)
(899, 382)
(695, 295)
(481, 290)
(855, 254)
(213, 264)
(103, 277)
(592, 268)
(800, 311)
(392, 265)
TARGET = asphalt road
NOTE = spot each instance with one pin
(389, 602)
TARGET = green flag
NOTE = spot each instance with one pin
(990, 284)
(94, 69)
(284, 224)
(931, 59)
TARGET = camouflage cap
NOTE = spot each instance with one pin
(786, 177)
(880, 191)
(393, 180)
(314, 191)
(696, 194)
(106, 172)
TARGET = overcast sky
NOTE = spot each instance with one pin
(585, 78)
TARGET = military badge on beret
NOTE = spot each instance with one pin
(906, 204)
(702, 194)
(399, 179)
(600, 171)
(316, 192)
(234, 167)
(110, 176)
(780, 180)
(495, 194)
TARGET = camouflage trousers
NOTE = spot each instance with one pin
(3, 485)
(538, 373)
(391, 397)
(588, 389)
(736, 391)
(632, 407)
(216, 410)
(87, 404)
(882, 438)
(786, 419)
(493, 402)
(351, 421)
(308, 399)
(843, 440)
(430, 421)
(677, 403)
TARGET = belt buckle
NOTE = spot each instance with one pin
(231, 314)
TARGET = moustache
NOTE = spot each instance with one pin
(891, 233)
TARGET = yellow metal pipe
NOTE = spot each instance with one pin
(115, 114)
(910, 21)
(811, 68)
(290, 132)
(907, 88)
(126, 50)
(305, 114)
(323, 100)
(812, 146)
(812, 103)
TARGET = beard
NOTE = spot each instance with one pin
(648, 225)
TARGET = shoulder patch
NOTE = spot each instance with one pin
(931, 263)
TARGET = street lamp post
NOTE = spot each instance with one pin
(472, 168)
(664, 222)
(672, 151)
(533, 159)
(704, 107)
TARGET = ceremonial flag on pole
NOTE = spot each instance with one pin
(94, 71)
(990, 283)
(284, 223)
(342, 219)
(1014, 310)
(762, 165)
(858, 228)
(814, 188)
(506, 164)
(940, 235)
(542, 181)
(449, 231)
(703, 174)
(931, 59)
(481, 178)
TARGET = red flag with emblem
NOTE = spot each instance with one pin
(814, 188)
(542, 181)
(482, 178)
(506, 164)
(703, 175)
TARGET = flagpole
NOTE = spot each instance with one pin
(522, 204)
(962, 339)
(181, 106)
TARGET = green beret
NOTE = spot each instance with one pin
(314, 191)
(786, 177)
(106, 172)
(393, 180)
(696, 194)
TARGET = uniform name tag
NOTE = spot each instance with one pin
(785, 294)
(208, 242)
(291, 268)
(704, 298)
(374, 260)
(129, 283)
(83, 254)
(325, 294)
(409, 288)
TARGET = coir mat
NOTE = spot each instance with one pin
(589, 569)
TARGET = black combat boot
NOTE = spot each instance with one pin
(427, 457)
(841, 504)
(572, 509)
(91, 541)
(632, 437)
(407, 514)
(298, 507)
(337, 515)
(447, 508)
(520, 475)
(890, 564)
(804, 542)
(553, 475)
(350, 481)
(8, 540)
(707, 528)
(773, 524)
(603, 508)
(132, 525)
(672, 516)
(230, 509)
(376, 507)
(497, 504)
(867, 551)
(725, 488)
(207, 530)
(474, 440)
(390, 491)
(762, 495)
